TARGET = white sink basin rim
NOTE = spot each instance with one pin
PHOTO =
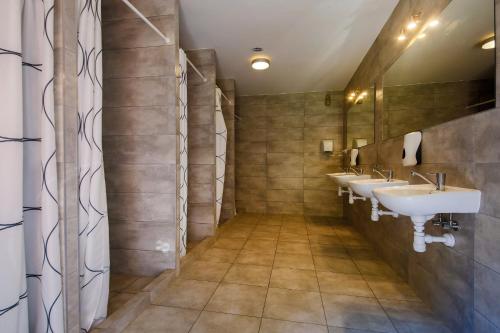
(365, 187)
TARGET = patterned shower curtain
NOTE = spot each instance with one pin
(93, 215)
(30, 264)
(183, 152)
(220, 151)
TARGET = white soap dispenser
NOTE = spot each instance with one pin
(412, 149)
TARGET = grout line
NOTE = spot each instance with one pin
(270, 276)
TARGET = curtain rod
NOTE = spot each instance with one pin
(147, 21)
(167, 40)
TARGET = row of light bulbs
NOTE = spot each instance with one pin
(413, 24)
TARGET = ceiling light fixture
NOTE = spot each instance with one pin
(402, 35)
(488, 43)
(415, 20)
(434, 23)
(260, 64)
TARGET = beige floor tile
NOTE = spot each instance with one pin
(204, 271)
(212, 322)
(332, 329)
(289, 237)
(190, 294)
(293, 248)
(260, 245)
(236, 232)
(343, 284)
(336, 265)
(320, 230)
(118, 282)
(219, 255)
(324, 239)
(268, 228)
(291, 219)
(297, 279)
(411, 316)
(281, 326)
(271, 220)
(294, 230)
(329, 250)
(299, 261)
(229, 243)
(139, 284)
(387, 289)
(294, 305)
(362, 313)
(362, 254)
(249, 274)
(355, 242)
(117, 300)
(160, 319)
(238, 299)
(375, 267)
(255, 258)
(264, 235)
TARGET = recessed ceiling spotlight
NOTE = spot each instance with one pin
(402, 36)
(415, 20)
(434, 23)
(260, 64)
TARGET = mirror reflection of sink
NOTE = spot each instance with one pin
(365, 187)
(422, 202)
(425, 200)
(341, 178)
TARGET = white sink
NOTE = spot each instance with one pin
(365, 187)
(425, 200)
(422, 202)
(341, 178)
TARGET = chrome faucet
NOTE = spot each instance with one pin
(389, 173)
(357, 172)
(440, 179)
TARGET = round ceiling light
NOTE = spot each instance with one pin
(260, 64)
(488, 45)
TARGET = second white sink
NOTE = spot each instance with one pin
(365, 187)
(341, 178)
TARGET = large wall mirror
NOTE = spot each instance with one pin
(361, 119)
(448, 72)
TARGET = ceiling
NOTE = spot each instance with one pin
(452, 51)
(314, 45)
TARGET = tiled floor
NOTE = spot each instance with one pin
(274, 274)
(122, 288)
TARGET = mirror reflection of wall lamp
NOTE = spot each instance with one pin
(357, 96)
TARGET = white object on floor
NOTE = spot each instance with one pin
(220, 152)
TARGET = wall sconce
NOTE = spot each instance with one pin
(357, 97)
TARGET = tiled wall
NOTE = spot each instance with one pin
(139, 135)
(412, 107)
(65, 53)
(279, 165)
(228, 200)
(460, 283)
(201, 141)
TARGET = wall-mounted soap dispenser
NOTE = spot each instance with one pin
(354, 157)
(327, 146)
(412, 151)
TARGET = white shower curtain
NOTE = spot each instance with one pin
(93, 216)
(220, 151)
(30, 265)
(183, 152)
